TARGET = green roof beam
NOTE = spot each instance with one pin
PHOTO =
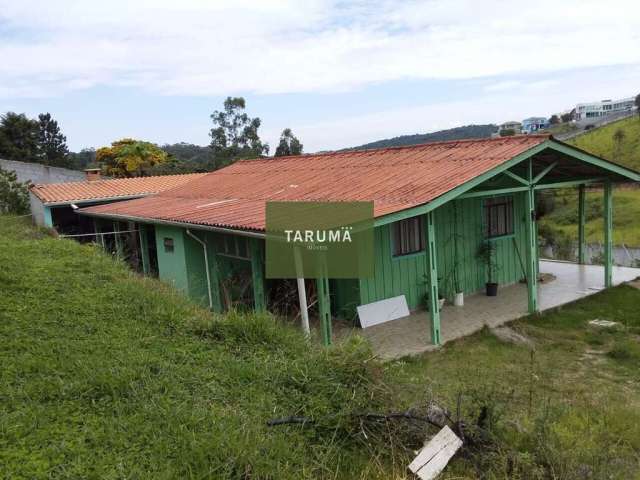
(517, 178)
(539, 177)
(569, 183)
(595, 161)
(493, 192)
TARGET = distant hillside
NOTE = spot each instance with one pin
(458, 133)
(602, 142)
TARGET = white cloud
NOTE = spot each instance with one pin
(279, 46)
(537, 98)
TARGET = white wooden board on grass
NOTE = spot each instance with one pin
(436, 454)
(383, 311)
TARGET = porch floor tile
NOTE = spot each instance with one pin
(410, 335)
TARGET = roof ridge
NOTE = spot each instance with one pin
(401, 147)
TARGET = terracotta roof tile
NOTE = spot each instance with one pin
(393, 178)
(69, 192)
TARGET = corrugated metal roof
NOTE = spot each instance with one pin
(393, 178)
(70, 192)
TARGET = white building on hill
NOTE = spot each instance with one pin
(603, 108)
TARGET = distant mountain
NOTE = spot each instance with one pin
(458, 133)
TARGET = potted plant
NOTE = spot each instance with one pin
(458, 294)
(425, 299)
(487, 254)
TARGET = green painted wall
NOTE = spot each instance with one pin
(406, 275)
(345, 297)
(172, 267)
(184, 267)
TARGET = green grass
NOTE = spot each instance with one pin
(626, 212)
(109, 375)
(601, 142)
(626, 206)
(570, 410)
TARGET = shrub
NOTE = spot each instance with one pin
(14, 195)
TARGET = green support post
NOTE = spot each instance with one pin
(324, 307)
(214, 275)
(581, 224)
(531, 252)
(99, 237)
(257, 275)
(144, 248)
(608, 234)
(432, 274)
(118, 240)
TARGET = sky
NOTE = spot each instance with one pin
(337, 73)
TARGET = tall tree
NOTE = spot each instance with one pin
(235, 134)
(289, 144)
(18, 137)
(52, 144)
(130, 158)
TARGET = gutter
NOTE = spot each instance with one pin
(206, 265)
(113, 216)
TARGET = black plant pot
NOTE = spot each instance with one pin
(492, 289)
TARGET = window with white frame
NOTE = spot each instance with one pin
(498, 216)
(408, 236)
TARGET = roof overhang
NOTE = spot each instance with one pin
(624, 175)
(93, 200)
(171, 223)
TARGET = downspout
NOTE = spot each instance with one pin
(206, 265)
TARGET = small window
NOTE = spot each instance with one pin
(408, 236)
(232, 246)
(168, 245)
(498, 216)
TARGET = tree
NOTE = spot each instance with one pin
(18, 137)
(289, 144)
(52, 144)
(567, 117)
(507, 132)
(14, 195)
(82, 159)
(235, 134)
(618, 139)
(130, 158)
(638, 104)
(554, 120)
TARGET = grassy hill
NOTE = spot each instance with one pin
(561, 224)
(602, 142)
(458, 133)
(109, 375)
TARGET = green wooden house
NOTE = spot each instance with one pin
(448, 216)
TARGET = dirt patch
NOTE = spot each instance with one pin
(508, 334)
(546, 277)
(635, 283)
